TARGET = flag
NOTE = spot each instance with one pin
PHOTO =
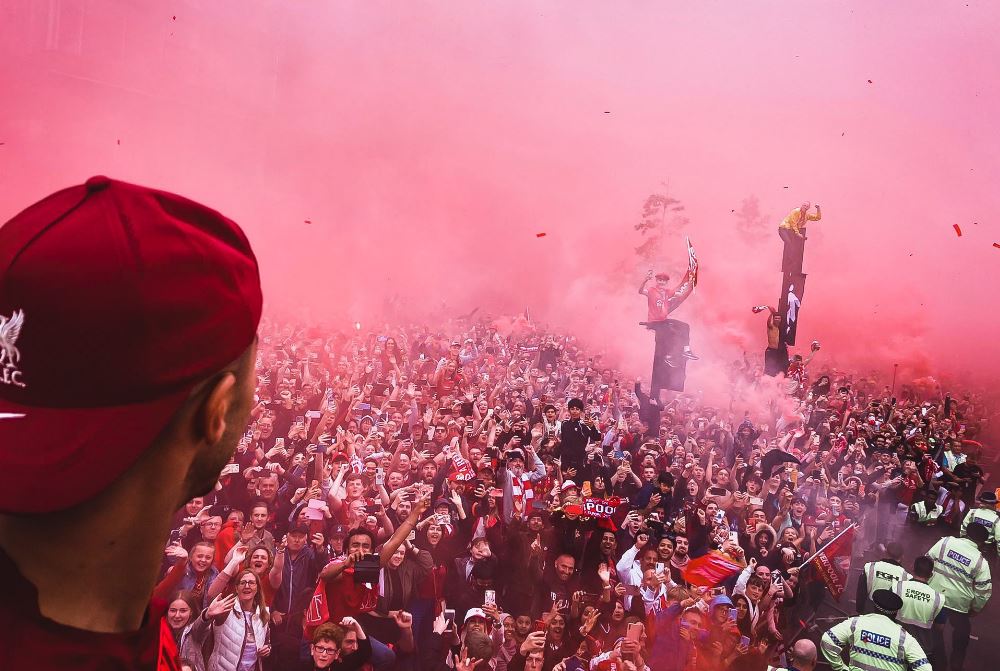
(833, 561)
(167, 650)
(318, 610)
(463, 469)
(602, 509)
(711, 569)
(772, 459)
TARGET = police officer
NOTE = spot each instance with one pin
(985, 514)
(800, 657)
(882, 574)
(962, 574)
(927, 512)
(875, 642)
(921, 604)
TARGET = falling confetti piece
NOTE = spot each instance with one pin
(173, 18)
(784, 187)
(309, 221)
(870, 81)
(540, 235)
(957, 229)
(997, 245)
(607, 112)
(842, 135)
(118, 141)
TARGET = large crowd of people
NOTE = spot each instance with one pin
(489, 494)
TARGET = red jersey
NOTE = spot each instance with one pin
(345, 597)
(32, 641)
(657, 300)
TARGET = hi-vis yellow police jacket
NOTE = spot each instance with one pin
(873, 643)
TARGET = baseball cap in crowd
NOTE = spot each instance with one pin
(474, 612)
(300, 529)
(116, 300)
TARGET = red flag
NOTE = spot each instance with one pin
(463, 469)
(710, 570)
(602, 509)
(167, 653)
(833, 561)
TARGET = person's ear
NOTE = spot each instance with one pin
(212, 416)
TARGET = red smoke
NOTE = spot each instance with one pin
(418, 150)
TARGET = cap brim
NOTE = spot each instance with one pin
(56, 458)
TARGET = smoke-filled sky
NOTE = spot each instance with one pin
(429, 142)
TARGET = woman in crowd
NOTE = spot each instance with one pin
(188, 627)
(239, 626)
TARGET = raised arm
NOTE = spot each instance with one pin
(645, 281)
(403, 531)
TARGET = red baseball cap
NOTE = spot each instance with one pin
(116, 300)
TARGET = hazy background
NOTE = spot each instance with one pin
(429, 142)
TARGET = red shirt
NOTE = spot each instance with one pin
(345, 597)
(658, 303)
(29, 640)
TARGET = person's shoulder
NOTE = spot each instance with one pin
(43, 644)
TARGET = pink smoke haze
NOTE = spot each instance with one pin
(374, 148)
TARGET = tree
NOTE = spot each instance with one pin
(662, 216)
(751, 224)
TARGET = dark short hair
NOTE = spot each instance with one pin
(923, 566)
(575, 403)
(977, 532)
(358, 531)
(258, 504)
(479, 645)
(328, 631)
(649, 548)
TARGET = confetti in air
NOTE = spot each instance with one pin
(957, 229)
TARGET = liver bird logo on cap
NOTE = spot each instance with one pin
(10, 329)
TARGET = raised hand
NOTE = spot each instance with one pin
(465, 663)
(176, 551)
(221, 605)
(239, 553)
(534, 641)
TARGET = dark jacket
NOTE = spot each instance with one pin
(574, 438)
(298, 580)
